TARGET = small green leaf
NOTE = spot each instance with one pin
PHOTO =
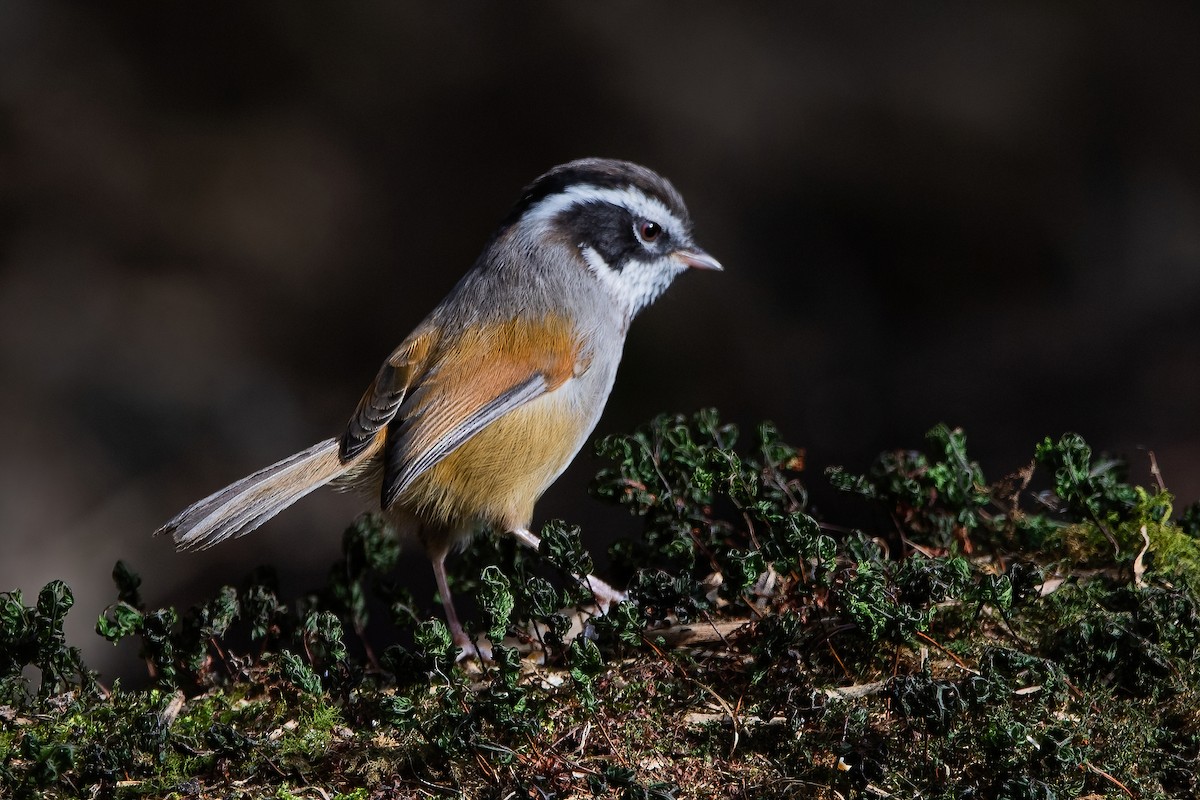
(293, 669)
(562, 546)
(118, 621)
(433, 637)
(496, 601)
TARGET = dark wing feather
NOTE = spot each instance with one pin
(404, 369)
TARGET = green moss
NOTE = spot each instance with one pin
(1166, 548)
(924, 658)
(1176, 554)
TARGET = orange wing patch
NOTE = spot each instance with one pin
(477, 377)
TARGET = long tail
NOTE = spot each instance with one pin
(241, 507)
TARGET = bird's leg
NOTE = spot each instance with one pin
(605, 595)
(466, 647)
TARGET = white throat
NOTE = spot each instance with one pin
(638, 285)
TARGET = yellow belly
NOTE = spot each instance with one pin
(498, 474)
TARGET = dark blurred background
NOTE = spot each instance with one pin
(217, 219)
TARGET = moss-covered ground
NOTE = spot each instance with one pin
(1033, 637)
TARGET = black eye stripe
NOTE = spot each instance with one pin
(613, 231)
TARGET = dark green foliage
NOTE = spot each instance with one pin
(434, 641)
(956, 651)
(1189, 523)
(1092, 490)
(929, 580)
(562, 546)
(295, 671)
(1126, 638)
(871, 604)
(33, 636)
(187, 651)
(932, 705)
(622, 627)
(779, 638)
(496, 602)
(708, 510)
(612, 777)
(939, 501)
(370, 552)
(322, 638)
(660, 595)
(261, 609)
(585, 664)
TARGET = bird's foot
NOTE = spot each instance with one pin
(605, 594)
(471, 649)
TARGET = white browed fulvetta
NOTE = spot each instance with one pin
(488, 400)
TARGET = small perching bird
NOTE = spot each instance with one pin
(485, 404)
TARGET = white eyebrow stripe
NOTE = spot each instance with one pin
(638, 203)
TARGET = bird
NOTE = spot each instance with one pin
(489, 399)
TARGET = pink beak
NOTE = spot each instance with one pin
(697, 259)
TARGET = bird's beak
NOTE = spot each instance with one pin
(697, 259)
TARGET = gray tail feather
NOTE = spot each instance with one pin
(242, 506)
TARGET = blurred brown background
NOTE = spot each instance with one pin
(217, 218)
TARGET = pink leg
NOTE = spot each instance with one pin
(466, 647)
(605, 595)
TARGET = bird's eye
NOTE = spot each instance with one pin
(649, 231)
